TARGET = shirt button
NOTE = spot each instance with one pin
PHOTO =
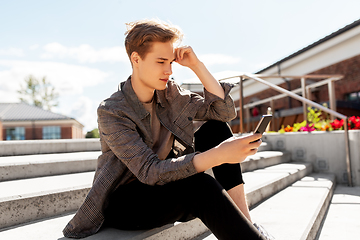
(190, 118)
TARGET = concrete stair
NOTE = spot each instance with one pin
(343, 217)
(40, 192)
(39, 165)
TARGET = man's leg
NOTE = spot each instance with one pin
(140, 206)
(238, 195)
(229, 176)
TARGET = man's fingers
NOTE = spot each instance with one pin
(254, 137)
(181, 51)
(255, 144)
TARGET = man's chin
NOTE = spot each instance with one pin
(161, 87)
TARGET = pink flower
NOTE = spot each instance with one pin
(308, 128)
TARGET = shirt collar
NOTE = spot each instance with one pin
(131, 97)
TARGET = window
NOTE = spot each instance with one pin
(354, 96)
(52, 132)
(16, 133)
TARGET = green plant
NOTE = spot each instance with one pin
(317, 121)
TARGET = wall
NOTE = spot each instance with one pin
(66, 133)
(1, 131)
(34, 129)
(325, 150)
(339, 55)
(350, 83)
(33, 133)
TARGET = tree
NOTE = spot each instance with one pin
(39, 93)
(93, 134)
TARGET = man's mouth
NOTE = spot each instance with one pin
(164, 79)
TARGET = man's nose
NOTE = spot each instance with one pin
(168, 70)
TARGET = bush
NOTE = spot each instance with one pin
(93, 134)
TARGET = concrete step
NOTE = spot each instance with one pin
(263, 183)
(31, 147)
(265, 147)
(264, 159)
(342, 220)
(28, 147)
(51, 228)
(259, 184)
(31, 199)
(28, 193)
(29, 166)
(296, 212)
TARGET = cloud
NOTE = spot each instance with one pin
(33, 47)
(17, 52)
(66, 78)
(85, 53)
(214, 59)
(84, 111)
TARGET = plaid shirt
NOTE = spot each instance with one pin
(126, 143)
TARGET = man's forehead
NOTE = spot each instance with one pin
(164, 51)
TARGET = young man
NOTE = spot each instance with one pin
(150, 173)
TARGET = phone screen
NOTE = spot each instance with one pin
(264, 122)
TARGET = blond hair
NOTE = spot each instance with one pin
(141, 34)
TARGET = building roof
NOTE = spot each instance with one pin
(25, 112)
(334, 34)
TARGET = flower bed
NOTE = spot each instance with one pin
(317, 121)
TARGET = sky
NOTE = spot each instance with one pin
(78, 45)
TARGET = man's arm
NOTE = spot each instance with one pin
(232, 150)
(186, 57)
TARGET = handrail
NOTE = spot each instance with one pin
(302, 99)
(293, 95)
(298, 90)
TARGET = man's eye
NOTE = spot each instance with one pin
(161, 62)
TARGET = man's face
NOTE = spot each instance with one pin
(155, 69)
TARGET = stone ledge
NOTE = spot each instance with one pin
(29, 147)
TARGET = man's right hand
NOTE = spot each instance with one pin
(232, 150)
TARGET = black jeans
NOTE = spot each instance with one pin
(139, 206)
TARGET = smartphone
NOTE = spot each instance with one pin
(264, 122)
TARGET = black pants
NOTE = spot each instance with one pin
(139, 206)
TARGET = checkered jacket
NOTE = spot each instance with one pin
(126, 143)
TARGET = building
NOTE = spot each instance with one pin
(335, 54)
(21, 121)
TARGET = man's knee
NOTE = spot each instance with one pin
(210, 134)
(203, 185)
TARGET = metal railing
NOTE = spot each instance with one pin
(301, 99)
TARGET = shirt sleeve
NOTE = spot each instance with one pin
(212, 107)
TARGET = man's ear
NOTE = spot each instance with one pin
(135, 58)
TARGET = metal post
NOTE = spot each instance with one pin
(273, 124)
(247, 115)
(308, 93)
(347, 151)
(303, 88)
(332, 97)
(241, 106)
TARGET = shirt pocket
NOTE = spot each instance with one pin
(186, 116)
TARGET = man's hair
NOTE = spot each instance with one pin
(141, 34)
